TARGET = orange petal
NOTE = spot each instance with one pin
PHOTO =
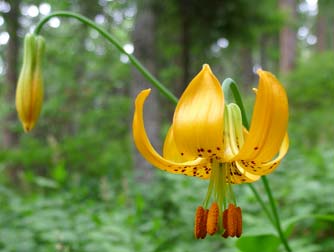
(238, 175)
(269, 121)
(196, 167)
(264, 168)
(198, 117)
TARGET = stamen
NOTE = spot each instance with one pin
(212, 221)
(200, 222)
(225, 214)
(239, 222)
(203, 228)
(232, 221)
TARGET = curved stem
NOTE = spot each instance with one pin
(229, 84)
(113, 41)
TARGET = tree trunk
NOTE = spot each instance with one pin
(144, 44)
(325, 28)
(288, 37)
(321, 33)
(246, 65)
(185, 45)
(10, 137)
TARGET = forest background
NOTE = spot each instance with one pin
(76, 183)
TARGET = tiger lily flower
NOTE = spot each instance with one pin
(208, 140)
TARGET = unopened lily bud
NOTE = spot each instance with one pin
(29, 90)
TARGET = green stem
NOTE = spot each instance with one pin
(229, 84)
(258, 197)
(275, 212)
(113, 41)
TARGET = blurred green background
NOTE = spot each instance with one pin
(76, 183)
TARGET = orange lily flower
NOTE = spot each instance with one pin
(208, 140)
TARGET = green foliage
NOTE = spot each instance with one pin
(268, 243)
(75, 190)
(310, 89)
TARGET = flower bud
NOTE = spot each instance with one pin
(29, 91)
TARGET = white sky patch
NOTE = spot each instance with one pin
(311, 39)
(54, 22)
(256, 67)
(100, 19)
(4, 37)
(309, 6)
(124, 59)
(303, 32)
(45, 9)
(129, 48)
(4, 7)
(32, 11)
(117, 16)
(312, 2)
(222, 43)
(130, 12)
(103, 3)
(1, 20)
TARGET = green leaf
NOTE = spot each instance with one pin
(59, 172)
(45, 182)
(290, 223)
(255, 243)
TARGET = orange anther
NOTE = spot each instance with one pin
(212, 221)
(239, 222)
(225, 216)
(200, 222)
(232, 221)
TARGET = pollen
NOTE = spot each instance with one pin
(213, 217)
(232, 221)
(200, 222)
(238, 231)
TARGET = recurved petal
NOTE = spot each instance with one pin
(196, 168)
(269, 121)
(264, 168)
(238, 175)
(198, 117)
